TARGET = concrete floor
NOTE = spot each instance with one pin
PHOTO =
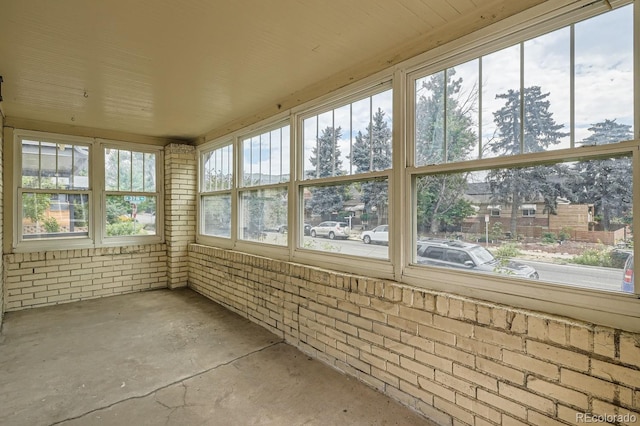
(170, 358)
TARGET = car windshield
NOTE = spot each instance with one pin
(482, 254)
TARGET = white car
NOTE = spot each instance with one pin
(379, 234)
(331, 229)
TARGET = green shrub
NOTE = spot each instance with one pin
(51, 225)
(549, 237)
(507, 251)
(124, 228)
(594, 257)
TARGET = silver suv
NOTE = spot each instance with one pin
(469, 256)
(331, 229)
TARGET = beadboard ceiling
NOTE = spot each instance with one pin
(180, 69)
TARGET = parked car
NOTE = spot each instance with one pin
(331, 229)
(379, 234)
(468, 256)
(285, 228)
(627, 277)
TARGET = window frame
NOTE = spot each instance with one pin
(20, 244)
(109, 241)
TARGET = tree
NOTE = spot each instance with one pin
(605, 183)
(325, 157)
(440, 197)
(516, 186)
(372, 151)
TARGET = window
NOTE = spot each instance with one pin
(263, 207)
(215, 191)
(131, 193)
(58, 197)
(348, 152)
(505, 108)
(54, 189)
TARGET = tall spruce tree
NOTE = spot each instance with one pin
(325, 157)
(605, 183)
(440, 197)
(372, 151)
(516, 186)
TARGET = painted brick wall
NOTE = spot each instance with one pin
(48, 278)
(180, 209)
(458, 361)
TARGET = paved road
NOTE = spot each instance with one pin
(576, 275)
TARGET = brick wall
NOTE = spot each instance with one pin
(2, 290)
(47, 278)
(180, 209)
(458, 361)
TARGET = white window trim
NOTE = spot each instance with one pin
(96, 195)
(101, 233)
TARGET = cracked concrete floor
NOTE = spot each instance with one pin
(170, 358)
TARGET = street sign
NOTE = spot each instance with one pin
(134, 198)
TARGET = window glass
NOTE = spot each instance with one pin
(130, 215)
(216, 215)
(342, 216)
(263, 216)
(47, 165)
(554, 219)
(54, 215)
(604, 74)
(217, 169)
(350, 139)
(266, 158)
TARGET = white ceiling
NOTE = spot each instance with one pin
(180, 69)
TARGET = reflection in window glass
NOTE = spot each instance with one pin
(130, 215)
(263, 216)
(551, 221)
(348, 139)
(342, 215)
(46, 215)
(604, 71)
(216, 215)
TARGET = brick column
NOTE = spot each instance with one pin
(180, 176)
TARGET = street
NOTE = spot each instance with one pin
(568, 274)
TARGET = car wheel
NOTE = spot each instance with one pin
(367, 239)
(332, 236)
(313, 234)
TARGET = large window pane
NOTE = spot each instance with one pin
(342, 215)
(350, 139)
(265, 158)
(263, 216)
(501, 103)
(604, 73)
(47, 165)
(216, 215)
(54, 215)
(217, 167)
(566, 223)
(130, 215)
(547, 78)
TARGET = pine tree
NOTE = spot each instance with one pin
(372, 152)
(440, 197)
(539, 131)
(325, 157)
(605, 183)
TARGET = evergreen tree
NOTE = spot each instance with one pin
(325, 157)
(440, 197)
(516, 186)
(605, 183)
(372, 152)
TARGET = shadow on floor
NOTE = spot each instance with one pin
(171, 358)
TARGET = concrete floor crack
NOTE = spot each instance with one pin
(179, 381)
